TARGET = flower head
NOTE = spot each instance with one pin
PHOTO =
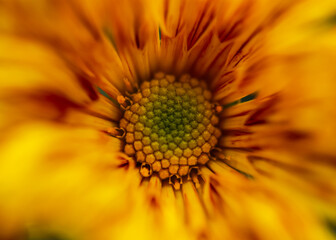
(189, 119)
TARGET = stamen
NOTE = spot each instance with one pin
(117, 132)
(218, 108)
(170, 127)
(146, 170)
(193, 175)
(176, 181)
(124, 102)
(217, 153)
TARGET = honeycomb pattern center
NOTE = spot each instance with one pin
(170, 126)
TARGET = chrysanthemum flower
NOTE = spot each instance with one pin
(175, 119)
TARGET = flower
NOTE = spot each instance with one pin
(105, 104)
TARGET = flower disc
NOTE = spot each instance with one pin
(170, 126)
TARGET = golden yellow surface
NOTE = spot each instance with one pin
(65, 64)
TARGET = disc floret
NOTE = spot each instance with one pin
(170, 126)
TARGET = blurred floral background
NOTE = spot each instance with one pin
(67, 69)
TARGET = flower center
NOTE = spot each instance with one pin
(170, 126)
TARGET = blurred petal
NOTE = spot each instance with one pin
(65, 66)
(38, 181)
